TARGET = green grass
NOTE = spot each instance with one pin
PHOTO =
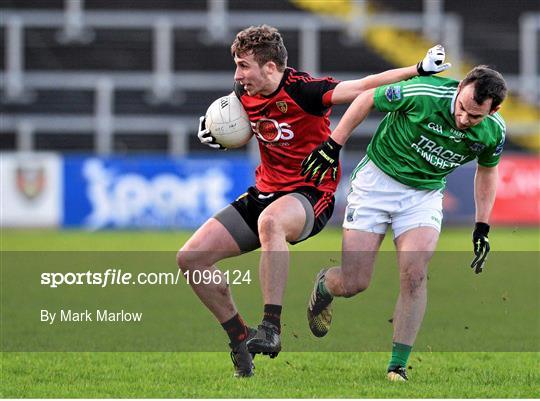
(452, 239)
(292, 374)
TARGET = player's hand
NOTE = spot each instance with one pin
(322, 159)
(206, 137)
(433, 62)
(480, 246)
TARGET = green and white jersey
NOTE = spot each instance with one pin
(418, 144)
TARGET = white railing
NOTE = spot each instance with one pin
(77, 25)
(529, 29)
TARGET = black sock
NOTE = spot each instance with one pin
(236, 330)
(272, 314)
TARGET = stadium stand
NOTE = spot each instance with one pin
(69, 81)
(490, 31)
(477, 35)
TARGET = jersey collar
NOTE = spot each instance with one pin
(453, 102)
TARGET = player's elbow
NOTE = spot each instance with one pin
(366, 84)
(367, 97)
(364, 102)
(359, 88)
(347, 91)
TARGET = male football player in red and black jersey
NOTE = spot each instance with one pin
(288, 111)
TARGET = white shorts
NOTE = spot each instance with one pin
(376, 200)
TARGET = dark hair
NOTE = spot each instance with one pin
(488, 84)
(265, 42)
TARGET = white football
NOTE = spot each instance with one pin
(228, 122)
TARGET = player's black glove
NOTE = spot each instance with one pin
(432, 63)
(480, 246)
(323, 158)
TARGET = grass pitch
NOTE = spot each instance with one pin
(292, 374)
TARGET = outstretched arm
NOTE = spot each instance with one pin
(347, 91)
(355, 114)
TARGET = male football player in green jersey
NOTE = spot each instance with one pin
(433, 126)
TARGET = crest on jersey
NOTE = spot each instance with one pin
(393, 93)
(282, 106)
(350, 214)
(477, 147)
(499, 148)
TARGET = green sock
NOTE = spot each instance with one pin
(323, 291)
(400, 355)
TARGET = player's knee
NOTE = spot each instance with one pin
(188, 259)
(353, 287)
(413, 280)
(268, 226)
(182, 259)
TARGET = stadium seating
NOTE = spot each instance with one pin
(122, 53)
(490, 30)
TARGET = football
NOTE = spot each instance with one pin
(228, 122)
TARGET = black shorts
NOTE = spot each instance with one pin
(241, 216)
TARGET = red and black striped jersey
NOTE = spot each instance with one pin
(289, 124)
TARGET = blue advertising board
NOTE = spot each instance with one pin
(150, 191)
(458, 201)
(182, 193)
